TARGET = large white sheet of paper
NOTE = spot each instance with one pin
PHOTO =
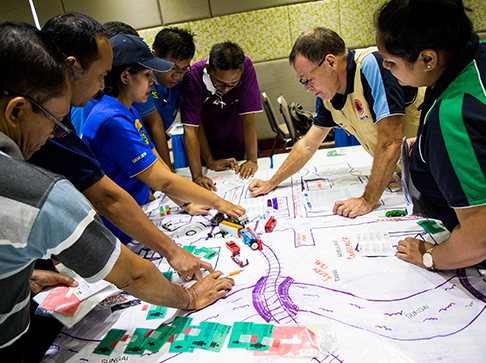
(379, 309)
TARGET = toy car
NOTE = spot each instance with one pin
(251, 239)
(270, 225)
(231, 228)
(396, 213)
(168, 227)
(235, 250)
(238, 262)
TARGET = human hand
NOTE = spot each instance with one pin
(208, 290)
(188, 266)
(412, 250)
(352, 207)
(223, 164)
(205, 182)
(247, 169)
(230, 209)
(43, 278)
(258, 187)
(198, 209)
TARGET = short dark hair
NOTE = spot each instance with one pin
(226, 56)
(113, 83)
(316, 43)
(117, 27)
(406, 27)
(76, 35)
(175, 42)
(30, 64)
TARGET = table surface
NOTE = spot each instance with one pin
(366, 309)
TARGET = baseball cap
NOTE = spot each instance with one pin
(129, 49)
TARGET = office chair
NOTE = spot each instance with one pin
(284, 110)
(281, 130)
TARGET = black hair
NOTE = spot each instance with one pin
(316, 43)
(117, 27)
(113, 83)
(406, 27)
(76, 35)
(175, 42)
(226, 56)
(30, 64)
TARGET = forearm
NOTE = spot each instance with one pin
(250, 136)
(384, 164)
(193, 150)
(159, 139)
(122, 210)
(142, 279)
(298, 157)
(204, 145)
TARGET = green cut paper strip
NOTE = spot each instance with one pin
(206, 253)
(135, 344)
(206, 332)
(168, 275)
(239, 335)
(431, 226)
(262, 331)
(189, 249)
(157, 339)
(109, 342)
(219, 338)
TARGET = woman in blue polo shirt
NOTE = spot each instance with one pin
(115, 134)
(431, 43)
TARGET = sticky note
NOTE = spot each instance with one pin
(157, 338)
(240, 335)
(204, 335)
(135, 344)
(219, 338)
(260, 334)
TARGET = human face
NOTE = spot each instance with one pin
(171, 78)
(35, 127)
(87, 82)
(407, 74)
(139, 85)
(225, 81)
(321, 79)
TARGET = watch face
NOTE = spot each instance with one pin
(427, 260)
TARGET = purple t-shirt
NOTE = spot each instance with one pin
(221, 120)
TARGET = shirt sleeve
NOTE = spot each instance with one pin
(382, 90)
(323, 118)
(79, 239)
(126, 143)
(191, 99)
(250, 93)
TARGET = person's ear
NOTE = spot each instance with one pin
(154, 53)
(331, 59)
(75, 65)
(15, 110)
(208, 70)
(125, 77)
(429, 59)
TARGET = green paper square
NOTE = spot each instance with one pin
(168, 275)
(189, 249)
(204, 335)
(156, 312)
(263, 331)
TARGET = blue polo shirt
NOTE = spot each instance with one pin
(69, 156)
(161, 99)
(383, 93)
(120, 143)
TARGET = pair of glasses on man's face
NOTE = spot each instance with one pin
(60, 130)
(311, 74)
(222, 86)
(180, 71)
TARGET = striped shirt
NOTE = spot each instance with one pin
(43, 216)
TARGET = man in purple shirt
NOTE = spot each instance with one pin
(219, 98)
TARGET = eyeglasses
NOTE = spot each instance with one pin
(311, 74)
(177, 71)
(60, 130)
(223, 86)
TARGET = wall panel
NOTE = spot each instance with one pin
(226, 7)
(16, 10)
(47, 9)
(140, 14)
(183, 10)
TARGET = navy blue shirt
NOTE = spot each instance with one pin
(71, 157)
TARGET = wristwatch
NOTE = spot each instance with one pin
(427, 259)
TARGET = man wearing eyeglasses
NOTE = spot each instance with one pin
(359, 95)
(219, 99)
(175, 45)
